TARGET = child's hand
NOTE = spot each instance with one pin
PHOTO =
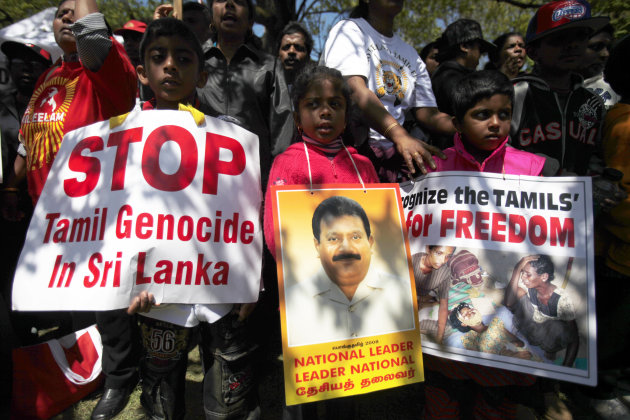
(141, 303)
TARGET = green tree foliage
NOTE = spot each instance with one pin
(12, 11)
(420, 22)
(495, 18)
(274, 15)
(117, 11)
(423, 21)
(617, 10)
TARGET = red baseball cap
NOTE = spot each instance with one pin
(564, 14)
(14, 49)
(132, 26)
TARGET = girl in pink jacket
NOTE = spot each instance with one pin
(321, 100)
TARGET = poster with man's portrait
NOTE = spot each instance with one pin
(504, 271)
(348, 305)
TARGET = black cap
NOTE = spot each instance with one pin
(13, 49)
(462, 31)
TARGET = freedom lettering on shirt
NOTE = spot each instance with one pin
(161, 202)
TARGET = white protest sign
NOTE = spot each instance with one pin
(511, 258)
(157, 203)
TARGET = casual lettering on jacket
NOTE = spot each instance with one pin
(553, 131)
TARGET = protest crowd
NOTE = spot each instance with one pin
(371, 110)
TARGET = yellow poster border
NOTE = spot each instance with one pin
(315, 372)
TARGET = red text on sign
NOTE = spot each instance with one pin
(89, 166)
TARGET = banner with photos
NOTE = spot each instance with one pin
(505, 272)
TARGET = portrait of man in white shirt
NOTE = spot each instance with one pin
(348, 297)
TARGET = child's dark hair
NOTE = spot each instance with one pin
(432, 247)
(169, 27)
(313, 74)
(476, 86)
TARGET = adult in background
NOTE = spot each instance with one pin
(196, 15)
(247, 86)
(294, 49)
(132, 32)
(26, 63)
(460, 47)
(387, 78)
(94, 80)
(509, 56)
(593, 63)
(612, 248)
(429, 54)
(245, 83)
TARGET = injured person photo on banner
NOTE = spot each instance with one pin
(503, 267)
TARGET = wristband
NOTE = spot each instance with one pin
(389, 128)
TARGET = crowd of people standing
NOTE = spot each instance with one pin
(374, 108)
